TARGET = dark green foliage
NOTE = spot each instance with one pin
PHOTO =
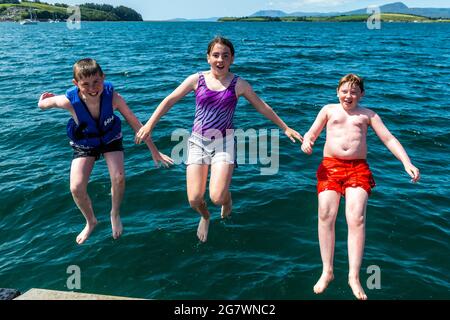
(100, 7)
(127, 14)
(89, 11)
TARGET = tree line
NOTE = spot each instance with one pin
(91, 12)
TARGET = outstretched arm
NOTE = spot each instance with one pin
(245, 89)
(120, 104)
(183, 89)
(48, 100)
(315, 130)
(394, 146)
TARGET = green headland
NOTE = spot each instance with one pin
(14, 10)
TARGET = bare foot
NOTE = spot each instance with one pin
(357, 289)
(82, 237)
(202, 230)
(116, 225)
(226, 210)
(323, 282)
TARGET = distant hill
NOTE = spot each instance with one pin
(385, 17)
(11, 10)
(213, 19)
(281, 14)
(400, 7)
(315, 14)
(270, 13)
(396, 7)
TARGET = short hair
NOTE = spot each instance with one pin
(86, 68)
(352, 79)
(221, 40)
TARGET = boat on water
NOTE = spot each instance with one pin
(54, 20)
(29, 21)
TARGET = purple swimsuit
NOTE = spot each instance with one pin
(214, 109)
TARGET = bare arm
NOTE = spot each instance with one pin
(120, 104)
(182, 90)
(48, 100)
(393, 145)
(245, 89)
(315, 130)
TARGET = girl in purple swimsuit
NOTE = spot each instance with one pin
(211, 143)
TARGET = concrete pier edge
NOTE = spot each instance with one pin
(44, 294)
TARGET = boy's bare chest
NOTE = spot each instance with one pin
(345, 121)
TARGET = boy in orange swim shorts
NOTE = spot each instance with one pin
(344, 172)
(338, 175)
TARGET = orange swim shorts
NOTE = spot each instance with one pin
(336, 174)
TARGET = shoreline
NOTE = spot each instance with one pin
(384, 17)
(239, 21)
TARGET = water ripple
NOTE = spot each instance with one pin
(269, 248)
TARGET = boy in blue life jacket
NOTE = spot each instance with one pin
(94, 130)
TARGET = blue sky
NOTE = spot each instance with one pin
(168, 9)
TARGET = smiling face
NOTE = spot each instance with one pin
(349, 95)
(90, 87)
(220, 59)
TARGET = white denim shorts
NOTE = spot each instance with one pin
(202, 150)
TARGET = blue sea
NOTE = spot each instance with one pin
(269, 249)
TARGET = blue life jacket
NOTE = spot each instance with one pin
(90, 133)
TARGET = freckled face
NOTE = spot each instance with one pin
(220, 59)
(349, 95)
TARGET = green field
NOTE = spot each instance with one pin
(385, 17)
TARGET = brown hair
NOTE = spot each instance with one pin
(352, 79)
(86, 68)
(221, 40)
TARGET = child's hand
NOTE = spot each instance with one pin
(307, 146)
(142, 134)
(292, 134)
(413, 172)
(46, 95)
(45, 105)
(158, 157)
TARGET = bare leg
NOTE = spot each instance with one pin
(219, 186)
(355, 211)
(114, 160)
(328, 209)
(80, 172)
(227, 207)
(196, 176)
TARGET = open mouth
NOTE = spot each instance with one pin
(220, 67)
(94, 94)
